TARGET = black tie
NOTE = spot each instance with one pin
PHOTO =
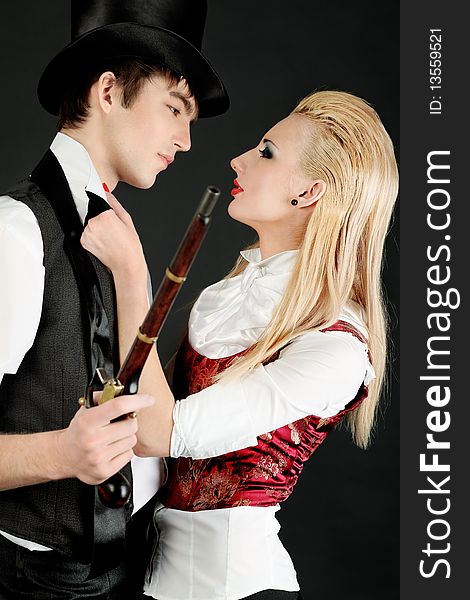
(96, 205)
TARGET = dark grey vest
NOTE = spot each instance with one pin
(43, 395)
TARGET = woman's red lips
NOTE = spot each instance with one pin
(237, 189)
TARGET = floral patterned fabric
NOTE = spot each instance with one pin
(262, 475)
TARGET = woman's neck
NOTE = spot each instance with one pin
(271, 243)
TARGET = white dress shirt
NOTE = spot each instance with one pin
(22, 277)
(231, 553)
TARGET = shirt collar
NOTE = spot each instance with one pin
(79, 171)
(283, 262)
(278, 263)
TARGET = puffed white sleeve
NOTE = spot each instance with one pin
(21, 280)
(319, 373)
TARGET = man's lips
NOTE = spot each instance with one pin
(237, 189)
(166, 159)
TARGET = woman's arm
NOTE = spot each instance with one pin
(317, 374)
(112, 238)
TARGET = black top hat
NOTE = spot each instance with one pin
(165, 32)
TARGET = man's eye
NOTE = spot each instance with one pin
(174, 110)
(265, 153)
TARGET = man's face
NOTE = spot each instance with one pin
(142, 140)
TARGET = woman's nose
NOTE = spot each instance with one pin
(237, 163)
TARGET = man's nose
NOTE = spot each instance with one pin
(183, 139)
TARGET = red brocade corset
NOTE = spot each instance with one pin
(261, 475)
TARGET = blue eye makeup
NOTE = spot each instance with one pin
(265, 152)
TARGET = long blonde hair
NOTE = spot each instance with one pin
(340, 257)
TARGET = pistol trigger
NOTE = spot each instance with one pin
(101, 377)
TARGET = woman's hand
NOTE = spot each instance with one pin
(112, 238)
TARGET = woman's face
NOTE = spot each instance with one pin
(269, 177)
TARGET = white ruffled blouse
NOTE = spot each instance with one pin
(231, 315)
(214, 554)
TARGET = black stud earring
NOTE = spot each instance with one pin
(294, 202)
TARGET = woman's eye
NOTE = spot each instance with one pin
(174, 110)
(265, 153)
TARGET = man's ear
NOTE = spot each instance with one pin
(312, 194)
(103, 92)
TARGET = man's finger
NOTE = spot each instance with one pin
(119, 447)
(104, 413)
(118, 430)
(117, 463)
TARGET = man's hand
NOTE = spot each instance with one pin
(92, 448)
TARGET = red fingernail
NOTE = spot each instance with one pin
(105, 187)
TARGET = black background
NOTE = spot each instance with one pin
(341, 525)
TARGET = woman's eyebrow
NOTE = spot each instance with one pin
(266, 140)
(189, 106)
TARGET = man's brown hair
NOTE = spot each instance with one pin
(130, 74)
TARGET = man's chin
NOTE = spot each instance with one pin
(142, 183)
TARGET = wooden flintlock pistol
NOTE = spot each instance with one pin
(115, 491)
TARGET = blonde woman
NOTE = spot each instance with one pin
(291, 342)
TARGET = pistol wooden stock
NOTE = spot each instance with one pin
(115, 491)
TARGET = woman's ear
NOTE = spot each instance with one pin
(312, 194)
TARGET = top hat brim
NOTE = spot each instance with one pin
(131, 40)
